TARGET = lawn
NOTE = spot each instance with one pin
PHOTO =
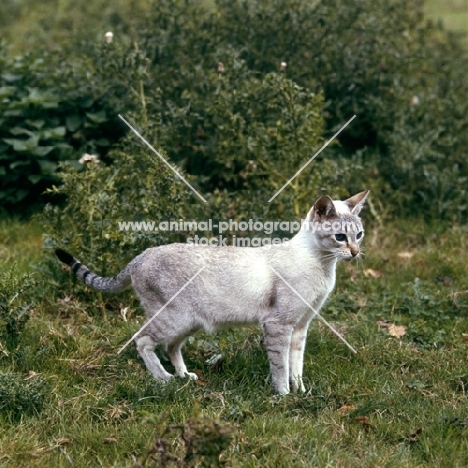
(452, 13)
(70, 400)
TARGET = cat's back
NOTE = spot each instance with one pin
(187, 259)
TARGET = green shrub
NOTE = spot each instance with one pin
(14, 307)
(21, 397)
(46, 118)
(203, 440)
(408, 142)
(137, 186)
(401, 76)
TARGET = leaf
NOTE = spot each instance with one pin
(370, 273)
(345, 409)
(98, 117)
(73, 122)
(9, 77)
(361, 419)
(38, 124)
(42, 151)
(21, 131)
(102, 142)
(53, 133)
(47, 167)
(16, 164)
(397, 330)
(38, 97)
(6, 91)
(405, 255)
(20, 194)
(109, 440)
(23, 145)
(201, 377)
(393, 330)
(383, 323)
(34, 179)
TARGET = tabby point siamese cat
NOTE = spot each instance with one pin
(239, 285)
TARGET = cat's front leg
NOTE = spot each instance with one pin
(296, 357)
(277, 339)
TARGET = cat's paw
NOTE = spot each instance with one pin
(191, 375)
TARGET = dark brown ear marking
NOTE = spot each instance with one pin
(324, 207)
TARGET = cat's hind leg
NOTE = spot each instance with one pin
(145, 346)
(174, 350)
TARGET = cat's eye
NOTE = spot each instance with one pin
(340, 237)
(359, 235)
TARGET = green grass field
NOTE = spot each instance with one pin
(399, 402)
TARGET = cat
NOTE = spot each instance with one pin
(239, 285)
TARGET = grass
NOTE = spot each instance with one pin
(25, 22)
(452, 13)
(70, 399)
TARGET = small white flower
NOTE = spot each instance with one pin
(89, 159)
(220, 67)
(414, 101)
(283, 66)
(109, 36)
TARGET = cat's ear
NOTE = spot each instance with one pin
(324, 208)
(356, 202)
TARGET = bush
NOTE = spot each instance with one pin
(405, 83)
(408, 142)
(20, 397)
(47, 119)
(14, 307)
(137, 186)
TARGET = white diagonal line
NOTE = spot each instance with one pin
(316, 314)
(165, 162)
(161, 309)
(312, 158)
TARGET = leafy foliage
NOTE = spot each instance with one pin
(195, 72)
(14, 306)
(20, 398)
(406, 86)
(137, 186)
(45, 119)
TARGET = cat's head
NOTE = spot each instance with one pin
(336, 226)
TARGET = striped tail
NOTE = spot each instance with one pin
(107, 285)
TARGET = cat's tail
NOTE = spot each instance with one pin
(107, 285)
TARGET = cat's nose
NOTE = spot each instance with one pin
(354, 252)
